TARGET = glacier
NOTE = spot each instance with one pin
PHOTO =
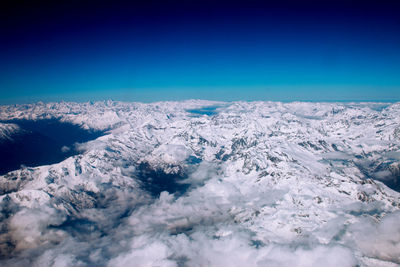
(206, 183)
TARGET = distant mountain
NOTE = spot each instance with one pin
(201, 183)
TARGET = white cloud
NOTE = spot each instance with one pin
(30, 227)
(380, 239)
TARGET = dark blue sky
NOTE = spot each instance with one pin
(163, 50)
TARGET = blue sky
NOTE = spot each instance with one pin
(173, 50)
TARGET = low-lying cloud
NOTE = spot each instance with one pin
(207, 226)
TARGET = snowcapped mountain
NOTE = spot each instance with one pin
(7, 130)
(201, 183)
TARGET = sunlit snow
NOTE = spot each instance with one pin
(200, 183)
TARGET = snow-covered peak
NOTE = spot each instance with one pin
(7, 130)
(211, 183)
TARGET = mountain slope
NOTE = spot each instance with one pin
(210, 183)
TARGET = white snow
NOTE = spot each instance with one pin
(271, 184)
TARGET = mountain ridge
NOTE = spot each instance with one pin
(274, 181)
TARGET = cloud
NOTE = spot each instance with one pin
(378, 239)
(65, 149)
(233, 249)
(145, 252)
(30, 227)
(205, 226)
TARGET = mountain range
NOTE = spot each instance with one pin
(205, 183)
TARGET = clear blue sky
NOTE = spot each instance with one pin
(172, 50)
